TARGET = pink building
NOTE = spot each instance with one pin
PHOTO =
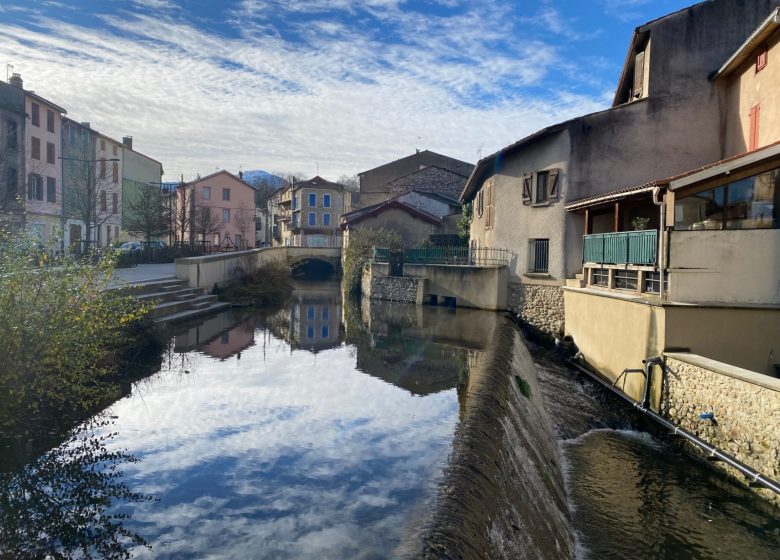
(222, 211)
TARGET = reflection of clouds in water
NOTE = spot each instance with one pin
(283, 456)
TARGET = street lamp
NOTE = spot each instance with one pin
(63, 217)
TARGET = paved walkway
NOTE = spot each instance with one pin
(142, 273)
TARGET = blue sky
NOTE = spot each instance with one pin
(338, 86)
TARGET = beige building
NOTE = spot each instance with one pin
(310, 212)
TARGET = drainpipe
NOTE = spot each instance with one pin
(661, 245)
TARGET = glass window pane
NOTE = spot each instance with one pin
(703, 210)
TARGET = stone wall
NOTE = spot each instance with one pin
(389, 288)
(430, 179)
(745, 405)
(537, 305)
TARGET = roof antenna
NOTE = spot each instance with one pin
(479, 151)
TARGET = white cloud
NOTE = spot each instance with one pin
(349, 99)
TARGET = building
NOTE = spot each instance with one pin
(420, 218)
(423, 171)
(310, 212)
(12, 152)
(138, 172)
(222, 211)
(665, 119)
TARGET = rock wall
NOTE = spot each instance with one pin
(538, 305)
(390, 288)
(745, 407)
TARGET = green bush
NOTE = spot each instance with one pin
(60, 333)
(360, 251)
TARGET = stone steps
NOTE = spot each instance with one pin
(193, 313)
(174, 300)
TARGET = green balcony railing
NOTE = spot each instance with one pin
(624, 247)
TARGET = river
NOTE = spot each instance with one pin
(333, 429)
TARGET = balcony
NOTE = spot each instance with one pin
(624, 247)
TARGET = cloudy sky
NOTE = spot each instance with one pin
(335, 86)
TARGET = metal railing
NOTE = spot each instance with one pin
(624, 247)
(464, 256)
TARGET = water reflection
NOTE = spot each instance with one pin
(296, 441)
(70, 502)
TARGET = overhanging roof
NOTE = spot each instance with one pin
(761, 34)
(724, 167)
(612, 196)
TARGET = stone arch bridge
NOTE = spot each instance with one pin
(222, 268)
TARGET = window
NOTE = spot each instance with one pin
(326, 219)
(295, 202)
(51, 189)
(102, 168)
(36, 115)
(538, 255)
(73, 137)
(310, 332)
(102, 145)
(325, 331)
(295, 220)
(84, 137)
(761, 59)
(116, 232)
(50, 153)
(653, 282)
(13, 138)
(754, 117)
(325, 313)
(114, 150)
(312, 200)
(626, 279)
(749, 203)
(541, 187)
(115, 171)
(225, 194)
(102, 201)
(35, 148)
(114, 203)
(326, 200)
(206, 193)
(481, 202)
(35, 188)
(310, 313)
(489, 211)
(50, 120)
(600, 277)
(312, 219)
(225, 215)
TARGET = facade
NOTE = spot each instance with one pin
(665, 97)
(310, 213)
(12, 152)
(419, 218)
(446, 176)
(42, 141)
(138, 172)
(223, 211)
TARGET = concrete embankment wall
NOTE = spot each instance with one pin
(503, 494)
(745, 405)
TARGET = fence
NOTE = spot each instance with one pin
(463, 256)
(625, 247)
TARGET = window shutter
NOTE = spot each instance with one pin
(639, 74)
(527, 181)
(553, 187)
(754, 117)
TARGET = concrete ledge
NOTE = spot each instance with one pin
(745, 375)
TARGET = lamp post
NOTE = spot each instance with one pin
(89, 204)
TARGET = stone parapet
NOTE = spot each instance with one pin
(392, 288)
(538, 305)
(745, 408)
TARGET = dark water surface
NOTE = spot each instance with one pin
(324, 431)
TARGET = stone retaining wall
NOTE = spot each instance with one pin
(390, 288)
(538, 305)
(745, 404)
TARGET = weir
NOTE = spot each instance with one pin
(503, 492)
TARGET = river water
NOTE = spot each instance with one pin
(334, 429)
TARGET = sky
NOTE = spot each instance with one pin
(326, 87)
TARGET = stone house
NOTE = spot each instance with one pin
(310, 212)
(12, 153)
(665, 97)
(423, 171)
(419, 217)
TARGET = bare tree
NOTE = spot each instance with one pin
(205, 221)
(350, 182)
(145, 214)
(244, 220)
(181, 212)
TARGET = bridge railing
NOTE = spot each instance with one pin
(462, 256)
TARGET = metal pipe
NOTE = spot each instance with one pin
(755, 477)
(661, 243)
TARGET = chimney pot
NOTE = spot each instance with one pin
(16, 80)
(240, 174)
(128, 141)
(86, 125)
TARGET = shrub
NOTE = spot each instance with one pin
(359, 252)
(268, 285)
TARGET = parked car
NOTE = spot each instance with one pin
(159, 244)
(130, 247)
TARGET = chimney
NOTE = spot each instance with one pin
(241, 175)
(86, 125)
(16, 80)
(127, 141)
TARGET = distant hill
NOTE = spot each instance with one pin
(259, 177)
